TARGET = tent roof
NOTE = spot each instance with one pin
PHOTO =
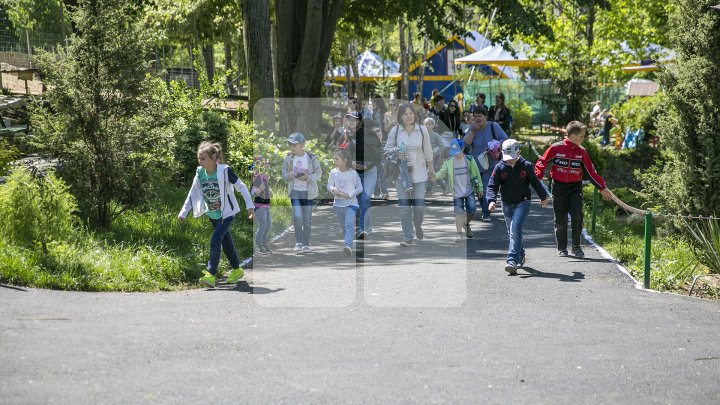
(641, 87)
(369, 64)
(496, 55)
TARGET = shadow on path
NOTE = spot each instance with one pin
(574, 278)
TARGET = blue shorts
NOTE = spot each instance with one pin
(464, 204)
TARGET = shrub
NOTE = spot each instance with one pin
(8, 154)
(641, 113)
(522, 113)
(707, 239)
(35, 210)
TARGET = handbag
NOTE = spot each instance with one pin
(483, 161)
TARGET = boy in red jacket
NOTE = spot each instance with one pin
(569, 160)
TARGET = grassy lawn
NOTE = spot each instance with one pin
(143, 250)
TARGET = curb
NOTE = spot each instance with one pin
(604, 253)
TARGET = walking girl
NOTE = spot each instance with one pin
(344, 183)
(212, 194)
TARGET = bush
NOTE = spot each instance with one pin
(8, 154)
(641, 113)
(522, 113)
(35, 210)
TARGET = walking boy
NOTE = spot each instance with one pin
(463, 179)
(569, 160)
(513, 177)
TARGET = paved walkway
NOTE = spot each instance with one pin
(437, 322)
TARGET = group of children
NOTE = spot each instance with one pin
(212, 194)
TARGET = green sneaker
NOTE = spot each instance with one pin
(235, 275)
(207, 279)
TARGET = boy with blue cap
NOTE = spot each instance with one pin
(513, 176)
(463, 179)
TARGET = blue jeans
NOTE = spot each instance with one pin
(412, 208)
(485, 176)
(515, 215)
(302, 216)
(368, 179)
(382, 180)
(262, 214)
(464, 204)
(346, 217)
(221, 238)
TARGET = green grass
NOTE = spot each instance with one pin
(144, 250)
(673, 261)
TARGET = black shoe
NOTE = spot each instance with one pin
(562, 253)
(362, 235)
(468, 231)
(522, 262)
(407, 243)
(578, 252)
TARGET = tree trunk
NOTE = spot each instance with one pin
(228, 65)
(305, 30)
(209, 58)
(421, 75)
(356, 71)
(256, 34)
(405, 82)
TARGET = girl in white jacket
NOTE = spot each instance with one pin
(212, 194)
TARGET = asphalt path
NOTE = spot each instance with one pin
(437, 322)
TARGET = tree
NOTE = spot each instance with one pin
(590, 40)
(687, 183)
(102, 109)
(256, 34)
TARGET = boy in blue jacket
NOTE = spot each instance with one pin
(513, 177)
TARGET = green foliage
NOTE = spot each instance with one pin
(707, 239)
(641, 112)
(42, 16)
(8, 154)
(385, 87)
(102, 121)
(593, 150)
(687, 181)
(522, 113)
(35, 211)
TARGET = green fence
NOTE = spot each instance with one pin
(534, 92)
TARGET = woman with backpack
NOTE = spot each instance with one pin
(413, 141)
(478, 137)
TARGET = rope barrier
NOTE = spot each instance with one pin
(638, 211)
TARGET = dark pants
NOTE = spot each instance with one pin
(567, 197)
(221, 238)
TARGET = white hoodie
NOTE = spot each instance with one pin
(228, 202)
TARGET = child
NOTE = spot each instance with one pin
(345, 184)
(513, 177)
(263, 194)
(569, 160)
(302, 171)
(212, 194)
(463, 178)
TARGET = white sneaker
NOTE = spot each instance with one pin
(298, 248)
(458, 238)
(306, 249)
(347, 250)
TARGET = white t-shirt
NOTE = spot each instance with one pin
(347, 182)
(301, 164)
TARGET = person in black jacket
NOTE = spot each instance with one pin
(501, 114)
(367, 154)
(513, 176)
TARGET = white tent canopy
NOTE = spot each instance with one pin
(370, 64)
(497, 55)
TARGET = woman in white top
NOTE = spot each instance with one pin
(414, 143)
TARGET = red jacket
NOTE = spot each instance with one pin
(568, 161)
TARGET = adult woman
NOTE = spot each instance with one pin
(452, 119)
(367, 153)
(378, 112)
(414, 142)
(501, 114)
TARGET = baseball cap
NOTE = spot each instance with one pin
(296, 137)
(455, 147)
(353, 114)
(510, 149)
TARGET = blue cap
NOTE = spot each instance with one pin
(456, 146)
(296, 137)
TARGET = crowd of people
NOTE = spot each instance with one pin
(469, 155)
